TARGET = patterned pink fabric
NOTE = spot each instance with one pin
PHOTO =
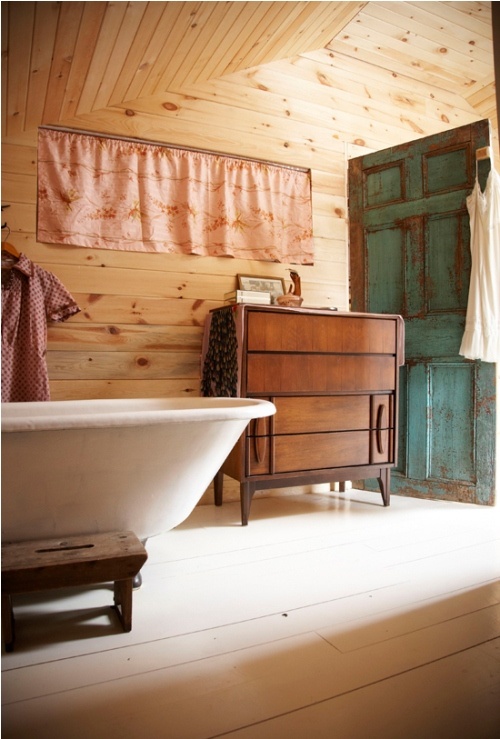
(31, 296)
(102, 192)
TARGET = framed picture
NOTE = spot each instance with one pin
(273, 285)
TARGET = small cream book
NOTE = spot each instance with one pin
(247, 296)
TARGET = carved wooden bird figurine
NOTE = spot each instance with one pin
(294, 288)
(293, 298)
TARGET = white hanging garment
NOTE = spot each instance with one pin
(481, 339)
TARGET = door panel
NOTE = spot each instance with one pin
(386, 265)
(447, 269)
(451, 456)
(410, 254)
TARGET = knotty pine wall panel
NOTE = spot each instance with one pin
(129, 338)
(119, 365)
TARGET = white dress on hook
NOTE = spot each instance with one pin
(481, 339)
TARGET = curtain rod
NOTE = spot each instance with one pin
(132, 140)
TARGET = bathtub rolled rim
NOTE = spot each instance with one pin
(114, 413)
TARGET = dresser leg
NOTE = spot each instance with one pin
(384, 482)
(218, 485)
(247, 491)
(7, 622)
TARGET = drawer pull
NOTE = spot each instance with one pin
(380, 420)
(254, 426)
(260, 442)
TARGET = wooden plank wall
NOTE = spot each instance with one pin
(139, 332)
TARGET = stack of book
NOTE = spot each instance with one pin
(247, 296)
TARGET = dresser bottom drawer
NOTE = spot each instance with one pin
(321, 451)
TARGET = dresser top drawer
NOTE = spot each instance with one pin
(332, 334)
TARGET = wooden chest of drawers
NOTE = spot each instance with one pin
(334, 380)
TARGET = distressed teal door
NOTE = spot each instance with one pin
(409, 254)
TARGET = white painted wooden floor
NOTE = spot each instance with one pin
(328, 616)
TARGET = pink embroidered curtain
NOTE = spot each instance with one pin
(110, 193)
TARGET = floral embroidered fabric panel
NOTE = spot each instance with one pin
(101, 192)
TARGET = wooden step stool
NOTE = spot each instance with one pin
(33, 566)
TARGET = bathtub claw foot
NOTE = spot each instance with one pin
(137, 581)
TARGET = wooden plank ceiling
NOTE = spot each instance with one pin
(64, 62)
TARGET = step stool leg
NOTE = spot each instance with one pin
(123, 602)
(7, 623)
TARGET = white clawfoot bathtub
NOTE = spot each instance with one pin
(89, 466)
